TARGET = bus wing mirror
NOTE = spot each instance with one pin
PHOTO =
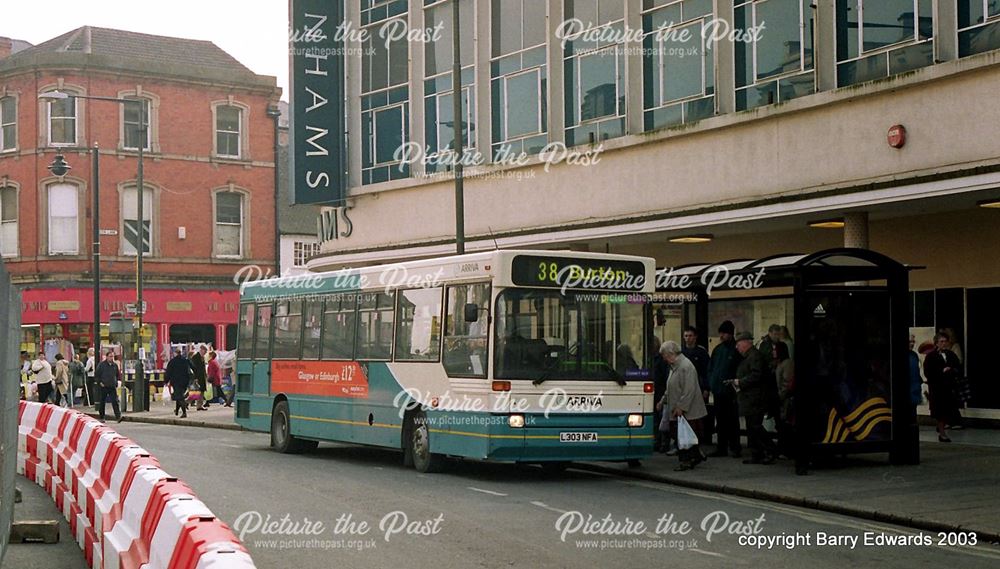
(471, 312)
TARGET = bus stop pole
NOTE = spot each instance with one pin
(10, 320)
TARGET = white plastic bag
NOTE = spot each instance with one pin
(770, 425)
(685, 434)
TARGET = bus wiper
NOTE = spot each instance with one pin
(551, 369)
(617, 377)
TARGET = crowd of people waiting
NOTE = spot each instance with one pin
(757, 382)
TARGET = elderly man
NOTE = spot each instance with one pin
(683, 399)
(725, 361)
(754, 383)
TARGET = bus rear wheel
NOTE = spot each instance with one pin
(282, 439)
(419, 446)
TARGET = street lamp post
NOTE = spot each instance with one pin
(59, 167)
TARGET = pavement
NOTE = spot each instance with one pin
(952, 489)
(36, 505)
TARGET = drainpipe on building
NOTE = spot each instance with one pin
(275, 113)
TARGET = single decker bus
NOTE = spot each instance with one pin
(519, 356)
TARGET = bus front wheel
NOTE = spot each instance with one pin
(419, 446)
(282, 439)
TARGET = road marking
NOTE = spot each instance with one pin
(545, 506)
(490, 492)
(710, 553)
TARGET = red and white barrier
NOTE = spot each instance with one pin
(123, 509)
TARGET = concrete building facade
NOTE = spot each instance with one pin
(623, 134)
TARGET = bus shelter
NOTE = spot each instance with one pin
(846, 314)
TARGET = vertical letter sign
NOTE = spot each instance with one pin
(316, 49)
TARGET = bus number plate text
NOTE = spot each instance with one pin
(578, 437)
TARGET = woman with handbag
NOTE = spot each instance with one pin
(943, 370)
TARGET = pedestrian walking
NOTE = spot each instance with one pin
(683, 398)
(753, 383)
(77, 377)
(722, 367)
(42, 373)
(107, 374)
(214, 375)
(89, 368)
(60, 379)
(660, 369)
(943, 369)
(178, 375)
(200, 375)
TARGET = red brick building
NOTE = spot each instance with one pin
(209, 182)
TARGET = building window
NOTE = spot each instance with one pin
(518, 76)
(678, 66)
(439, 111)
(385, 106)
(133, 132)
(8, 221)
(8, 123)
(130, 221)
(228, 224)
(879, 38)
(777, 64)
(595, 71)
(228, 131)
(64, 219)
(302, 251)
(978, 26)
(62, 121)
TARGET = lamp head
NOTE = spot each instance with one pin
(59, 167)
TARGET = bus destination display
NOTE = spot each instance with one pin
(570, 273)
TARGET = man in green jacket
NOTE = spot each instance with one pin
(753, 378)
(722, 367)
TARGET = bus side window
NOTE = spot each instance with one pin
(262, 335)
(466, 344)
(244, 342)
(312, 318)
(287, 330)
(339, 317)
(418, 325)
(376, 313)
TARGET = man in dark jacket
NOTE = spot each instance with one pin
(107, 375)
(178, 375)
(660, 371)
(752, 381)
(722, 367)
(200, 375)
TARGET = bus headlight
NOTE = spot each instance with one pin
(635, 420)
(516, 421)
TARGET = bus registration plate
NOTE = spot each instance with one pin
(578, 437)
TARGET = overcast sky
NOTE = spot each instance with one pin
(253, 31)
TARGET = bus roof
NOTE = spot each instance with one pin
(497, 266)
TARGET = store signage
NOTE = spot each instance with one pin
(178, 307)
(334, 223)
(60, 305)
(318, 64)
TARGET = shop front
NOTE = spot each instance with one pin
(61, 319)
